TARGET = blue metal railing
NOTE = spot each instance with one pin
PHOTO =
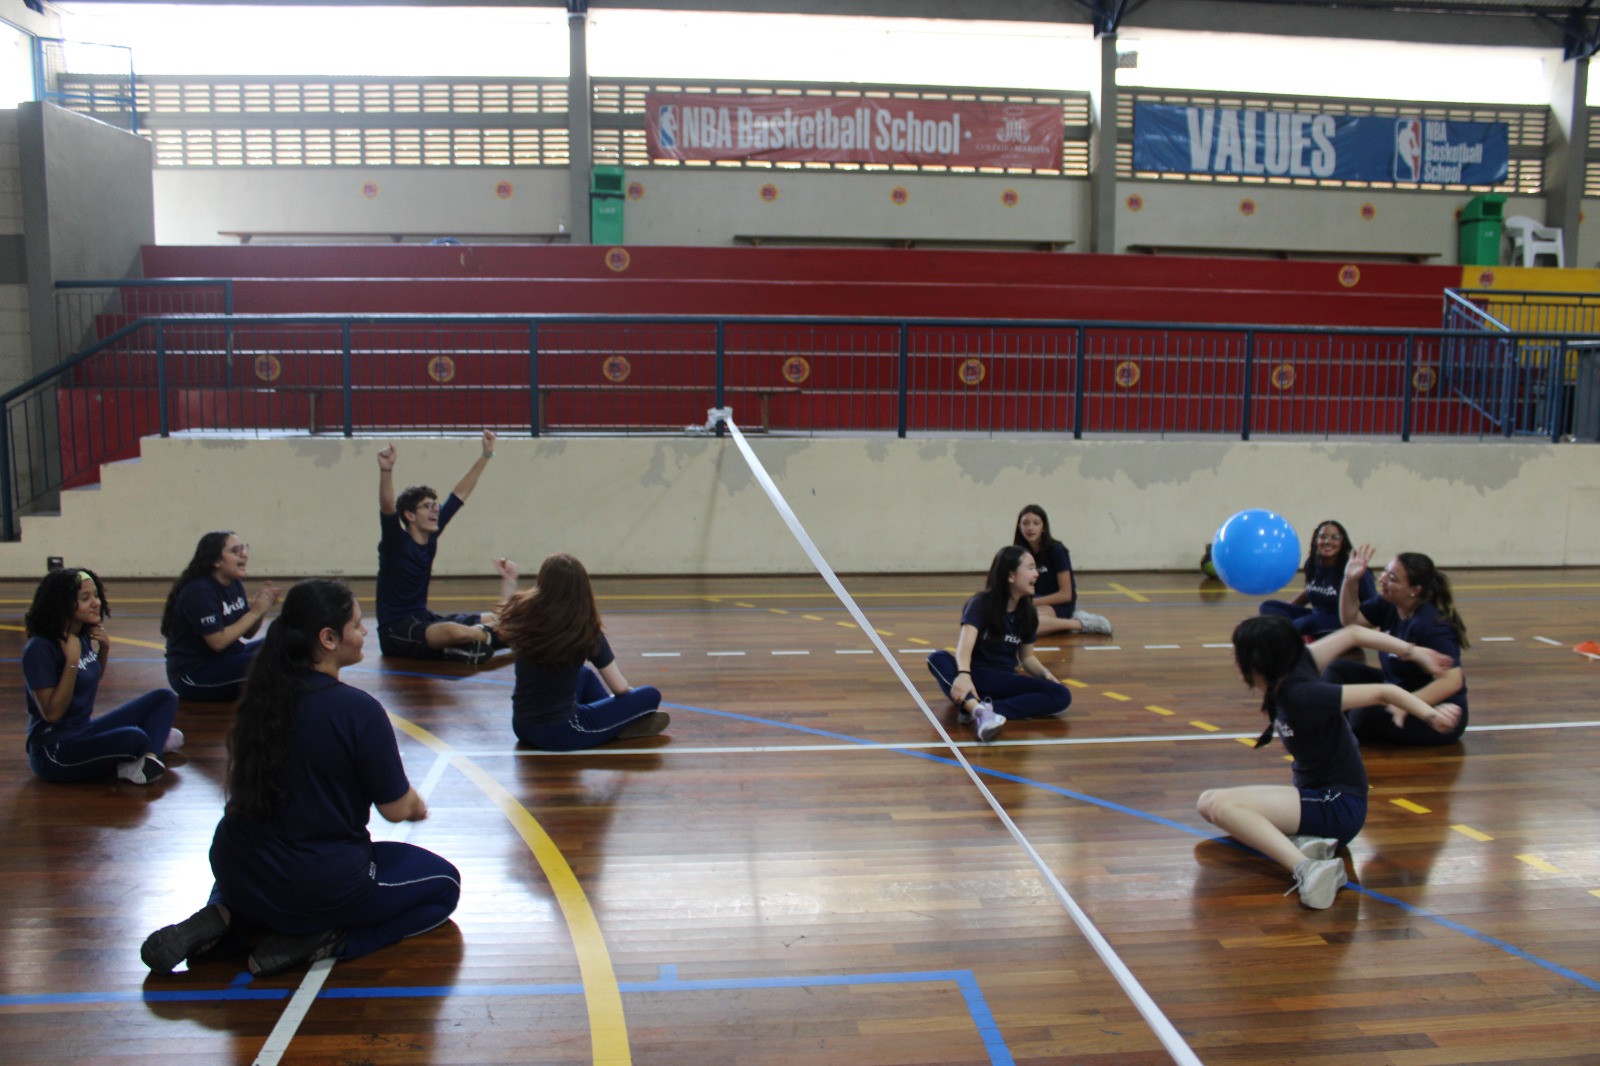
(1518, 368)
(348, 374)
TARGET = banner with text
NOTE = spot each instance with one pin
(1220, 140)
(853, 130)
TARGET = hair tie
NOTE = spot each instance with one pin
(84, 575)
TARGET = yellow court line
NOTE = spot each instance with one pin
(1468, 831)
(918, 640)
(1414, 808)
(114, 640)
(1116, 696)
(1134, 596)
(608, 1027)
(1207, 726)
(1246, 741)
(1159, 710)
(1074, 682)
(1539, 864)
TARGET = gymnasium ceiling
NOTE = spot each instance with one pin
(1573, 25)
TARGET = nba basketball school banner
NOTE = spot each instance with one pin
(1220, 140)
(853, 130)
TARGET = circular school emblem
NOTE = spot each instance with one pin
(1126, 374)
(796, 369)
(1486, 279)
(1247, 207)
(618, 259)
(1282, 377)
(636, 190)
(1010, 198)
(616, 368)
(1135, 202)
(1369, 211)
(369, 189)
(971, 371)
(442, 368)
(267, 367)
(768, 193)
(1423, 379)
(1349, 275)
(899, 195)
(504, 189)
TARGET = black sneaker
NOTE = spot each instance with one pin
(648, 726)
(475, 653)
(170, 945)
(280, 952)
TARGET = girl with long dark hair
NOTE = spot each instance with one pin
(208, 618)
(1415, 604)
(63, 663)
(307, 757)
(1302, 827)
(559, 703)
(1315, 611)
(1057, 588)
(998, 628)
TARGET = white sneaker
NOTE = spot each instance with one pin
(1097, 624)
(1316, 847)
(174, 740)
(986, 722)
(140, 770)
(1318, 881)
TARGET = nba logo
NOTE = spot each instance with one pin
(667, 125)
(1408, 149)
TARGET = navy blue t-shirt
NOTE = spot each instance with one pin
(995, 652)
(203, 606)
(1052, 563)
(42, 667)
(405, 567)
(343, 760)
(1424, 628)
(546, 694)
(1307, 719)
(1322, 591)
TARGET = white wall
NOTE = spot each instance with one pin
(691, 505)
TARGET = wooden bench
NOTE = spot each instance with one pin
(329, 237)
(1281, 253)
(1044, 244)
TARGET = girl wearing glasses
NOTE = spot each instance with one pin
(1413, 603)
(208, 618)
(1315, 612)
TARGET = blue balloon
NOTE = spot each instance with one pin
(1256, 552)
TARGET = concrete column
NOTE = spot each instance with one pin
(1103, 151)
(1565, 150)
(580, 128)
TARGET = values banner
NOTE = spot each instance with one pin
(835, 130)
(1220, 140)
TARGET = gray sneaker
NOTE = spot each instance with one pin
(986, 722)
(1318, 881)
(1316, 847)
(1097, 624)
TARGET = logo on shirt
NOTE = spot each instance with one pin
(236, 604)
(208, 620)
(89, 657)
(1284, 728)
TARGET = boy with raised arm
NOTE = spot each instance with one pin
(411, 527)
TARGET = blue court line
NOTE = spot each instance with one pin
(1554, 967)
(667, 981)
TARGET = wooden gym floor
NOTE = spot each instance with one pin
(799, 872)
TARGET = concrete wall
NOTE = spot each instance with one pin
(87, 207)
(691, 505)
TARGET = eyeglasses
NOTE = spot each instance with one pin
(428, 505)
(239, 549)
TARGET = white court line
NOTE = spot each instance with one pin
(660, 654)
(1102, 647)
(1552, 643)
(1160, 1025)
(1216, 645)
(923, 745)
(852, 651)
(791, 653)
(925, 651)
(1492, 640)
(311, 985)
(1160, 647)
(715, 654)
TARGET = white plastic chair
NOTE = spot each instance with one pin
(1531, 239)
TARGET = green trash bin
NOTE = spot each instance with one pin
(605, 205)
(1482, 222)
